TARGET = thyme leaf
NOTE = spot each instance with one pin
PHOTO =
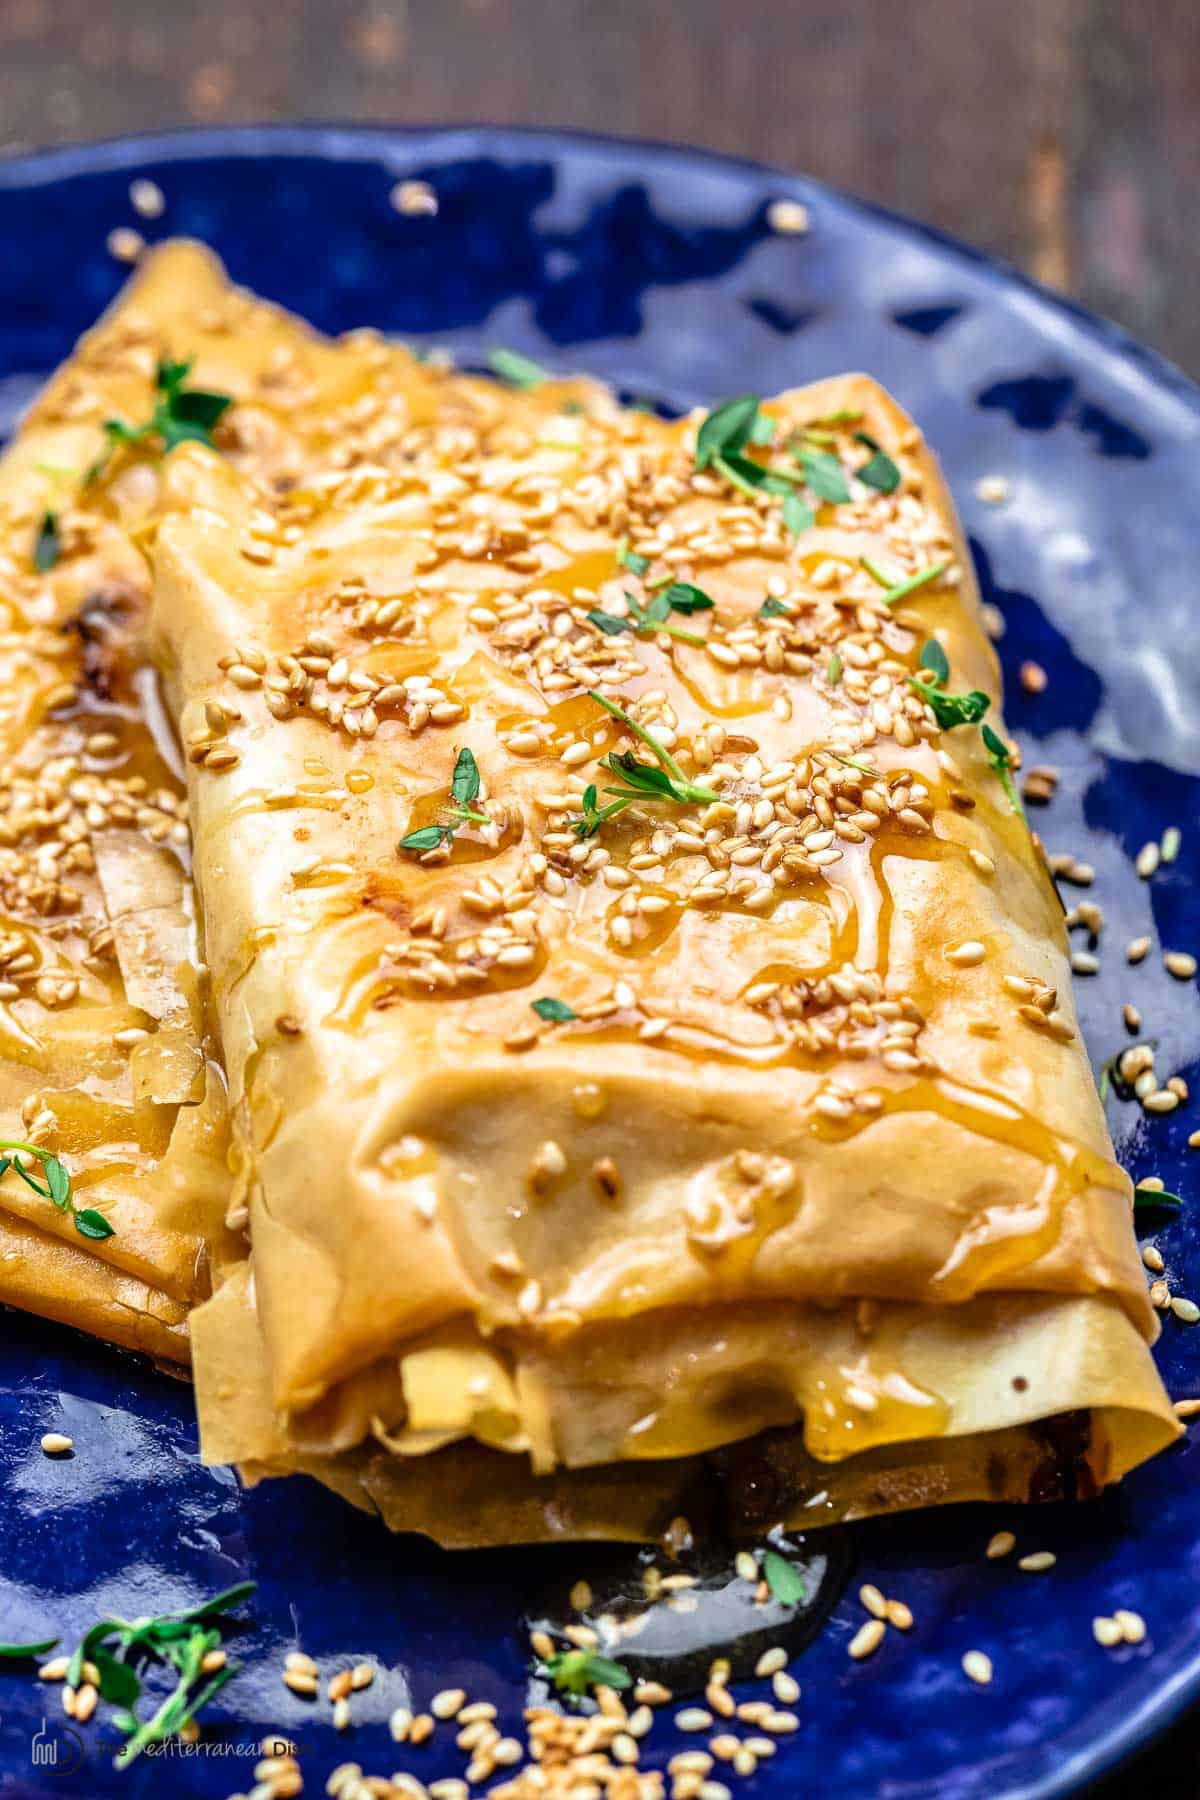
(89, 1223)
(575, 1671)
(519, 371)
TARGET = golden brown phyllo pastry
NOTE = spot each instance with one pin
(646, 1015)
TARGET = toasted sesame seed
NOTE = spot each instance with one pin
(1133, 1626)
(1162, 1101)
(771, 1661)
(977, 1667)
(414, 199)
(1037, 1561)
(1147, 860)
(581, 1596)
(873, 1600)
(1185, 1310)
(693, 1718)
(1106, 1632)
(788, 217)
(967, 954)
(300, 1683)
(56, 1443)
(1137, 949)
(1084, 962)
(866, 1639)
(447, 1702)
(1152, 1257)
(341, 1714)
(899, 1615)
(1132, 1017)
(1168, 850)
(1033, 678)
(1187, 1409)
(125, 244)
(785, 1688)
(55, 1669)
(1179, 964)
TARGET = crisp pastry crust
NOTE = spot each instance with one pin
(105, 1053)
(813, 1060)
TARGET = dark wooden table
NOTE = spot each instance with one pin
(1063, 134)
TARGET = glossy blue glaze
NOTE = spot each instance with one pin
(656, 269)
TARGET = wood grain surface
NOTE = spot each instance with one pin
(1063, 134)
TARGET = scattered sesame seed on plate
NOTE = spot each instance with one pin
(977, 1666)
(125, 244)
(1180, 964)
(1037, 1562)
(1002, 1543)
(147, 199)
(1137, 949)
(414, 199)
(866, 1639)
(993, 490)
(1185, 1310)
(1106, 1632)
(1147, 861)
(788, 217)
(56, 1443)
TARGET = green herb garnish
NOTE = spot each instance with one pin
(824, 475)
(784, 1579)
(182, 1640)
(879, 472)
(949, 710)
(654, 616)
(575, 1671)
(519, 371)
(20, 1652)
(181, 415)
(934, 658)
(1000, 757)
(727, 430)
(555, 1012)
(88, 1223)
(798, 516)
(833, 672)
(640, 781)
(900, 590)
(464, 792)
(1146, 1198)
(47, 546)
(630, 559)
(774, 609)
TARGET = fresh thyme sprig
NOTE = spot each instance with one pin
(1145, 1199)
(47, 545)
(519, 371)
(900, 590)
(786, 1582)
(654, 617)
(183, 1640)
(464, 792)
(879, 471)
(640, 780)
(554, 1011)
(573, 1672)
(181, 415)
(1001, 759)
(723, 437)
(22, 1652)
(88, 1223)
(949, 710)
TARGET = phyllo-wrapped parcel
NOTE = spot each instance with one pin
(653, 1073)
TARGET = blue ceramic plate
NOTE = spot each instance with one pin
(658, 269)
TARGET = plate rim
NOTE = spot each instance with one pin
(339, 141)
